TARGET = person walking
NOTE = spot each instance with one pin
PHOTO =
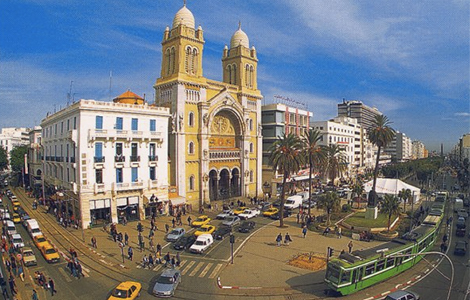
(20, 272)
(79, 268)
(52, 286)
(167, 228)
(287, 239)
(93, 242)
(178, 259)
(34, 296)
(189, 220)
(350, 246)
(279, 239)
(338, 232)
(12, 284)
(150, 260)
(130, 253)
(304, 231)
(126, 238)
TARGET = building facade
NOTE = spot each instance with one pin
(215, 131)
(418, 150)
(105, 160)
(34, 169)
(400, 149)
(12, 137)
(364, 114)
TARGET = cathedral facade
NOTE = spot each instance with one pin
(215, 142)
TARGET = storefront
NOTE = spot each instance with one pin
(153, 206)
(100, 211)
(128, 207)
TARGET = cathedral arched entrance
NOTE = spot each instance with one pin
(213, 185)
(224, 184)
(235, 189)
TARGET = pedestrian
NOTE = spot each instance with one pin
(326, 231)
(34, 296)
(167, 259)
(150, 260)
(444, 238)
(279, 239)
(178, 259)
(52, 286)
(338, 232)
(167, 228)
(189, 220)
(93, 242)
(151, 245)
(287, 239)
(20, 272)
(12, 284)
(13, 266)
(145, 261)
(130, 253)
(350, 246)
(443, 246)
(79, 268)
(298, 218)
(159, 248)
(304, 231)
(173, 222)
(126, 239)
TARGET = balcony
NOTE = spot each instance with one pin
(123, 134)
(72, 160)
(135, 158)
(224, 154)
(153, 158)
(99, 159)
(119, 158)
(123, 186)
(99, 188)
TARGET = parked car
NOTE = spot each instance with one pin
(202, 243)
(306, 205)
(249, 213)
(204, 229)
(239, 210)
(462, 213)
(127, 290)
(246, 226)
(28, 257)
(201, 220)
(175, 234)
(460, 248)
(232, 221)
(402, 295)
(286, 214)
(271, 211)
(222, 232)
(460, 223)
(167, 283)
(184, 242)
(225, 214)
(460, 232)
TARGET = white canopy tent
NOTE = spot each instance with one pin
(392, 186)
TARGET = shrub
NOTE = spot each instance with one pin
(346, 208)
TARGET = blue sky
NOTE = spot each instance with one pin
(410, 59)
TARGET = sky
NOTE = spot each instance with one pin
(409, 59)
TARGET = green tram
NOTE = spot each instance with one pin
(351, 272)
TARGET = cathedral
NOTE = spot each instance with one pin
(214, 133)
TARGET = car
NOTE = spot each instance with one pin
(460, 248)
(16, 218)
(28, 257)
(50, 253)
(466, 202)
(246, 226)
(184, 242)
(460, 232)
(435, 212)
(249, 213)
(202, 243)
(462, 213)
(16, 240)
(201, 220)
(24, 218)
(402, 295)
(277, 203)
(221, 232)
(224, 214)
(175, 234)
(204, 229)
(40, 241)
(167, 283)
(239, 210)
(460, 223)
(128, 290)
(305, 204)
(271, 211)
(232, 221)
(286, 214)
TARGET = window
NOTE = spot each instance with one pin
(134, 174)
(99, 122)
(135, 124)
(134, 153)
(191, 148)
(191, 183)
(74, 122)
(251, 176)
(251, 147)
(380, 265)
(62, 127)
(119, 123)
(68, 124)
(118, 148)
(98, 152)
(191, 119)
(152, 156)
(99, 176)
(152, 174)
(119, 175)
(370, 269)
(153, 125)
(251, 124)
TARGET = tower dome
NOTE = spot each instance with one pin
(184, 17)
(239, 38)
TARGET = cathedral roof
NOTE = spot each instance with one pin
(239, 38)
(129, 98)
(184, 17)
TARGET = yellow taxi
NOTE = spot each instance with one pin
(270, 212)
(204, 229)
(239, 210)
(16, 218)
(50, 253)
(128, 290)
(16, 205)
(40, 241)
(201, 220)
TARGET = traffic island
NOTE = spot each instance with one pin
(309, 261)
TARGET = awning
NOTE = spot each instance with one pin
(177, 200)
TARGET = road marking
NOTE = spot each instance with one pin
(158, 267)
(65, 274)
(215, 271)
(188, 267)
(196, 269)
(182, 263)
(206, 269)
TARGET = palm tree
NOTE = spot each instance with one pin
(314, 154)
(287, 159)
(390, 206)
(335, 161)
(405, 195)
(380, 134)
(330, 202)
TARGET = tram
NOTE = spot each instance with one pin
(351, 272)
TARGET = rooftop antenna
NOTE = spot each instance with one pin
(110, 84)
(69, 94)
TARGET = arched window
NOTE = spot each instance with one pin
(252, 76)
(251, 147)
(251, 176)
(251, 124)
(234, 76)
(192, 183)
(168, 61)
(194, 62)
(191, 148)
(229, 74)
(187, 62)
(247, 70)
(191, 119)
(172, 61)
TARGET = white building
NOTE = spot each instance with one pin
(34, 170)
(418, 150)
(107, 160)
(400, 148)
(13, 137)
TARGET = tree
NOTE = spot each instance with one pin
(405, 195)
(315, 155)
(380, 134)
(357, 189)
(335, 162)
(17, 158)
(3, 159)
(330, 202)
(286, 158)
(390, 206)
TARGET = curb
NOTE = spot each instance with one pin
(228, 287)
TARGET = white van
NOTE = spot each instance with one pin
(11, 229)
(304, 195)
(17, 240)
(293, 202)
(33, 228)
(202, 243)
(458, 205)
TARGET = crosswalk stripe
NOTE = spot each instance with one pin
(187, 267)
(182, 263)
(65, 274)
(215, 271)
(196, 269)
(157, 267)
(206, 269)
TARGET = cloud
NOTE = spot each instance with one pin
(462, 114)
